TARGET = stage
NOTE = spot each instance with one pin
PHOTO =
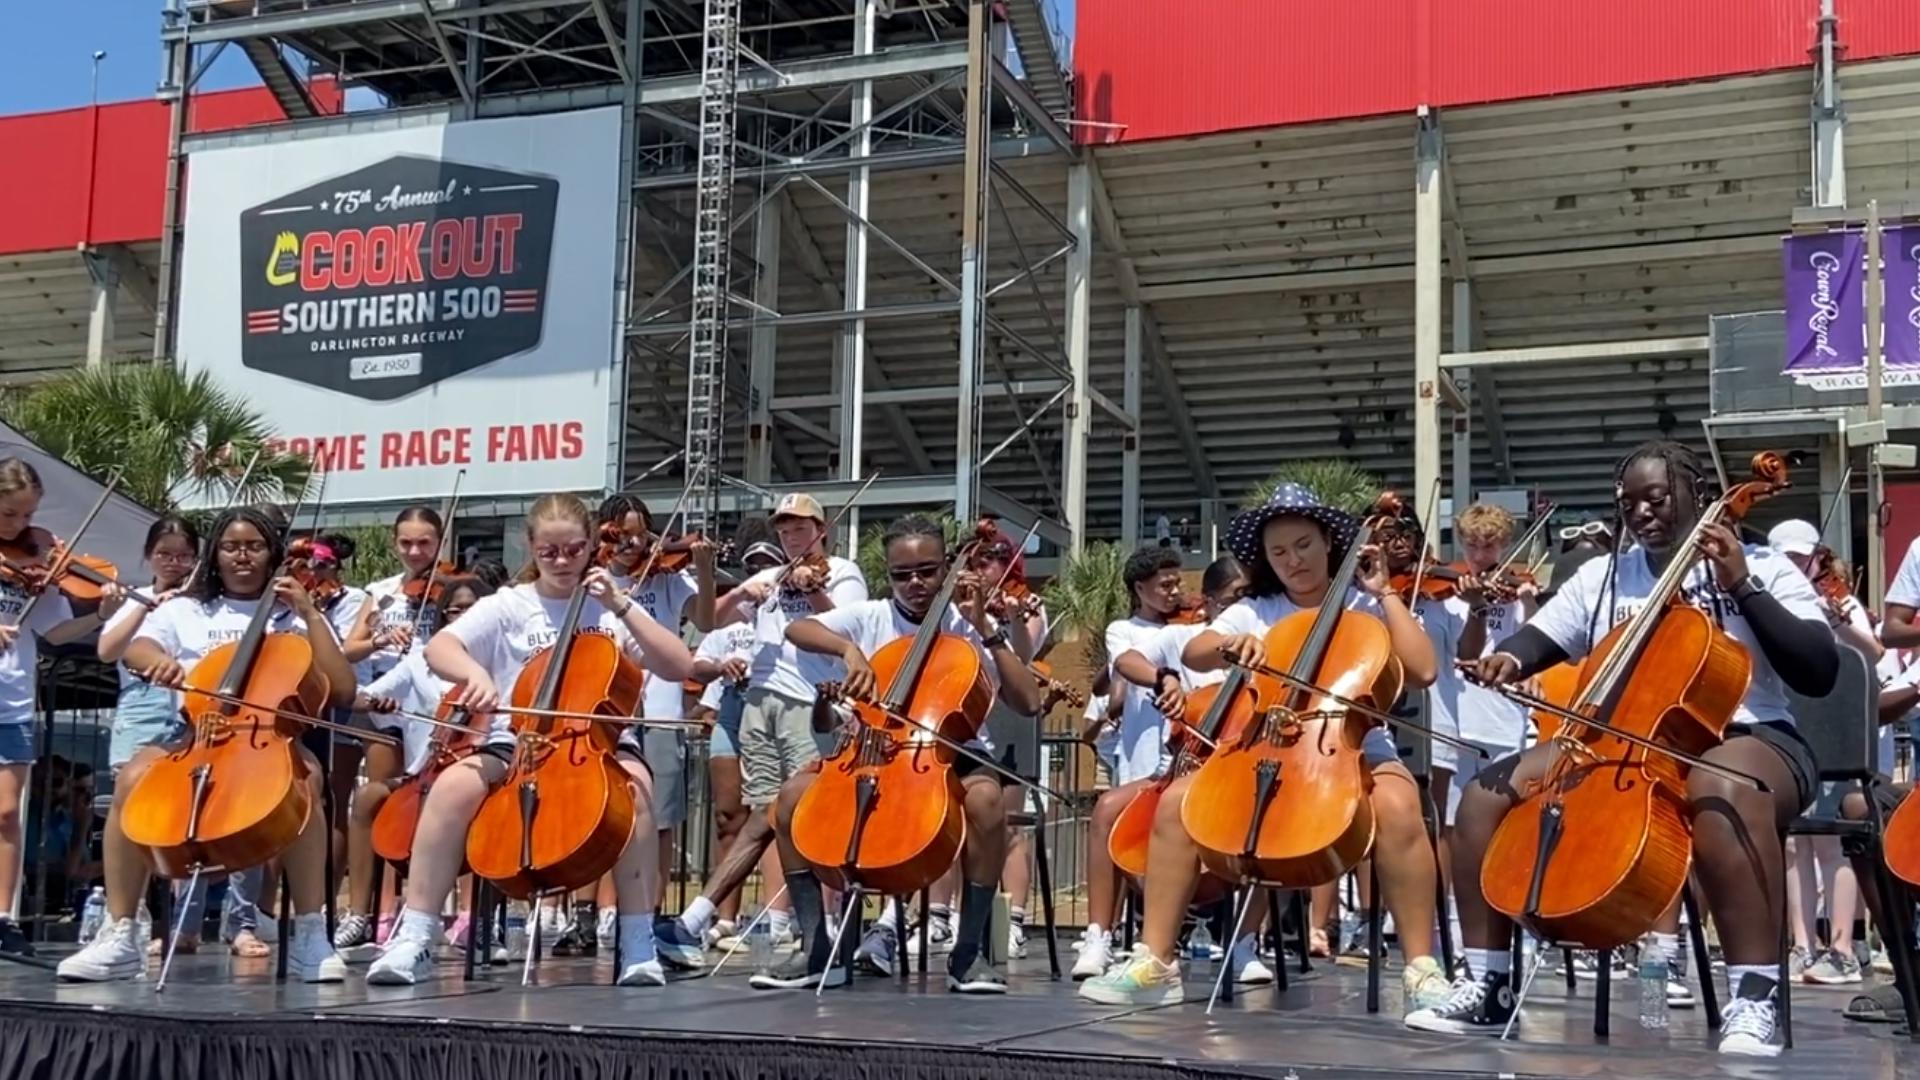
(207, 1028)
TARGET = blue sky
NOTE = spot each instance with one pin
(47, 51)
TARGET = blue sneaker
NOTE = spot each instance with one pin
(679, 947)
(1141, 980)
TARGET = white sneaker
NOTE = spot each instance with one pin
(719, 932)
(1749, 1025)
(404, 962)
(114, 953)
(1248, 968)
(1017, 941)
(939, 937)
(644, 973)
(310, 956)
(1096, 955)
(603, 927)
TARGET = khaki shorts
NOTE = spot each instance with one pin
(777, 741)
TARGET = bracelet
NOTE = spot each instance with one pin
(624, 609)
(996, 639)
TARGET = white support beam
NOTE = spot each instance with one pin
(853, 337)
(1632, 349)
(1462, 487)
(765, 343)
(1426, 310)
(1079, 312)
(104, 297)
(1130, 444)
(1829, 162)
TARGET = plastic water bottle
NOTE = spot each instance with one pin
(760, 945)
(516, 933)
(1653, 985)
(1200, 944)
(95, 914)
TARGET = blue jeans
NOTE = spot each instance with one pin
(724, 739)
(242, 909)
(147, 715)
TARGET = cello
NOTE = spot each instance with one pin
(565, 811)
(398, 819)
(1305, 739)
(887, 812)
(1655, 693)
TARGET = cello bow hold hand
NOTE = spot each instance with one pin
(480, 695)
(1171, 700)
(385, 705)
(1247, 650)
(1725, 553)
(859, 683)
(1493, 670)
(167, 674)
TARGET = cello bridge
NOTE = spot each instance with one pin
(1280, 725)
(213, 727)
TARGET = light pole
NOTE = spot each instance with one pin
(98, 55)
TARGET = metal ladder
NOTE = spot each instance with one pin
(712, 259)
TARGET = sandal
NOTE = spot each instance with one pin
(187, 946)
(248, 946)
(1318, 944)
(1881, 1005)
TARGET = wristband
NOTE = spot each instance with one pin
(996, 639)
(1160, 677)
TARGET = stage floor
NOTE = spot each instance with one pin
(1318, 1028)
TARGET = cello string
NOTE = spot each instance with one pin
(1368, 711)
(958, 748)
(361, 733)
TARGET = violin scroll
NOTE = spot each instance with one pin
(1770, 478)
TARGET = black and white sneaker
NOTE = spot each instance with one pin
(795, 973)
(1473, 1007)
(13, 942)
(979, 978)
(1750, 1026)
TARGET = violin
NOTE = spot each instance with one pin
(1440, 581)
(236, 793)
(813, 561)
(302, 565)
(35, 560)
(565, 811)
(1600, 846)
(675, 552)
(399, 817)
(887, 812)
(1053, 691)
(1301, 742)
(1191, 612)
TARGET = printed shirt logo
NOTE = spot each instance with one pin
(1717, 604)
(391, 278)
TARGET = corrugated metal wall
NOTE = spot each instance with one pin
(1164, 68)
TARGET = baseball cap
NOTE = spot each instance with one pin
(1794, 537)
(800, 506)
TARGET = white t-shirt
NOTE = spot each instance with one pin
(127, 611)
(1566, 618)
(392, 611)
(1486, 717)
(1108, 740)
(872, 624)
(664, 596)
(20, 665)
(187, 629)
(1164, 650)
(503, 631)
(417, 690)
(728, 641)
(1895, 669)
(341, 616)
(1444, 624)
(1905, 590)
(1141, 749)
(777, 665)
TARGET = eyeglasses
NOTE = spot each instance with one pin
(172, 557)
(558, 552)
(1591, 528)
(908, 573)
(250, 547)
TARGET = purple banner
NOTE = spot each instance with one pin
(1900, 256)
(1825, 319)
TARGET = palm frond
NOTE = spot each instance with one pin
(1338, 483)
(1088, 593)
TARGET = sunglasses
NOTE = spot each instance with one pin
(1591, 528)
(909, 573)
(559, 552)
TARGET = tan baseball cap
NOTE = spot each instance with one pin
(799, 506)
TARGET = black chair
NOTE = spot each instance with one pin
(1018, 740)
(1844, 730)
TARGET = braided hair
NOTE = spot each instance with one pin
(209, 587)
(914, 525)
(1682, 465)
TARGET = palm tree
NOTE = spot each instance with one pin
(1338, 483)
(176, 438)
(1087, 594)
(872, 554)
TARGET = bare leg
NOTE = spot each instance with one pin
(1802, 893)
(1173, 872)
(1737, 849)
(635, 876)
(13, 784)
(440, 845)
(729, 816)
(1403, 858)
(1103, 878)
(126, 862)
(366, 806)
(1016, 875)
(306, 859)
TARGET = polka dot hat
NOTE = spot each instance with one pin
(1288, 500)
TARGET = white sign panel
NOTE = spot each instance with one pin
(402, 304)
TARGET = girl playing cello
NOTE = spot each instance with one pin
(1769, 607)
(1290, 547)
(244, 553)
(486, 650)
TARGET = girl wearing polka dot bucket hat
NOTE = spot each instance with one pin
(1290, 547)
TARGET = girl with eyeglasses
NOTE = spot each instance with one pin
(484, 652)
(239, 572)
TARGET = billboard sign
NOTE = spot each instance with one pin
(1826, 325)
(402, 304)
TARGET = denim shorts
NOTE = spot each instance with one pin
(146, 716)
(724, 739)
(17, 744)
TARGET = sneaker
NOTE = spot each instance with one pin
(12, 941)
(1096, 955)
(310, 955)
(114, 953)
(644, 973)
(1798, 960)
(979, 978)
(1586, 965)
(1679, 994)
(353, 939)
(404, 962)
(1248, 968)
(679, 947)
(603, 928)
(1749, 1024)
(719, 932)
(1142, 980)
(876, 952)
(794, 973)
(939, 937)
(1833, 968)
(1472, 1007)
(1882, 963)
(513, 950)
(1017, 940)
(1424, 985)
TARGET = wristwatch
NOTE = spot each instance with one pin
(1746, 587)
(996, 639)
(1160, 677)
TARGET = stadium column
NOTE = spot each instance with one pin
(100, 309)
(766, 334)
(1426, 309)
(1079, 425)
